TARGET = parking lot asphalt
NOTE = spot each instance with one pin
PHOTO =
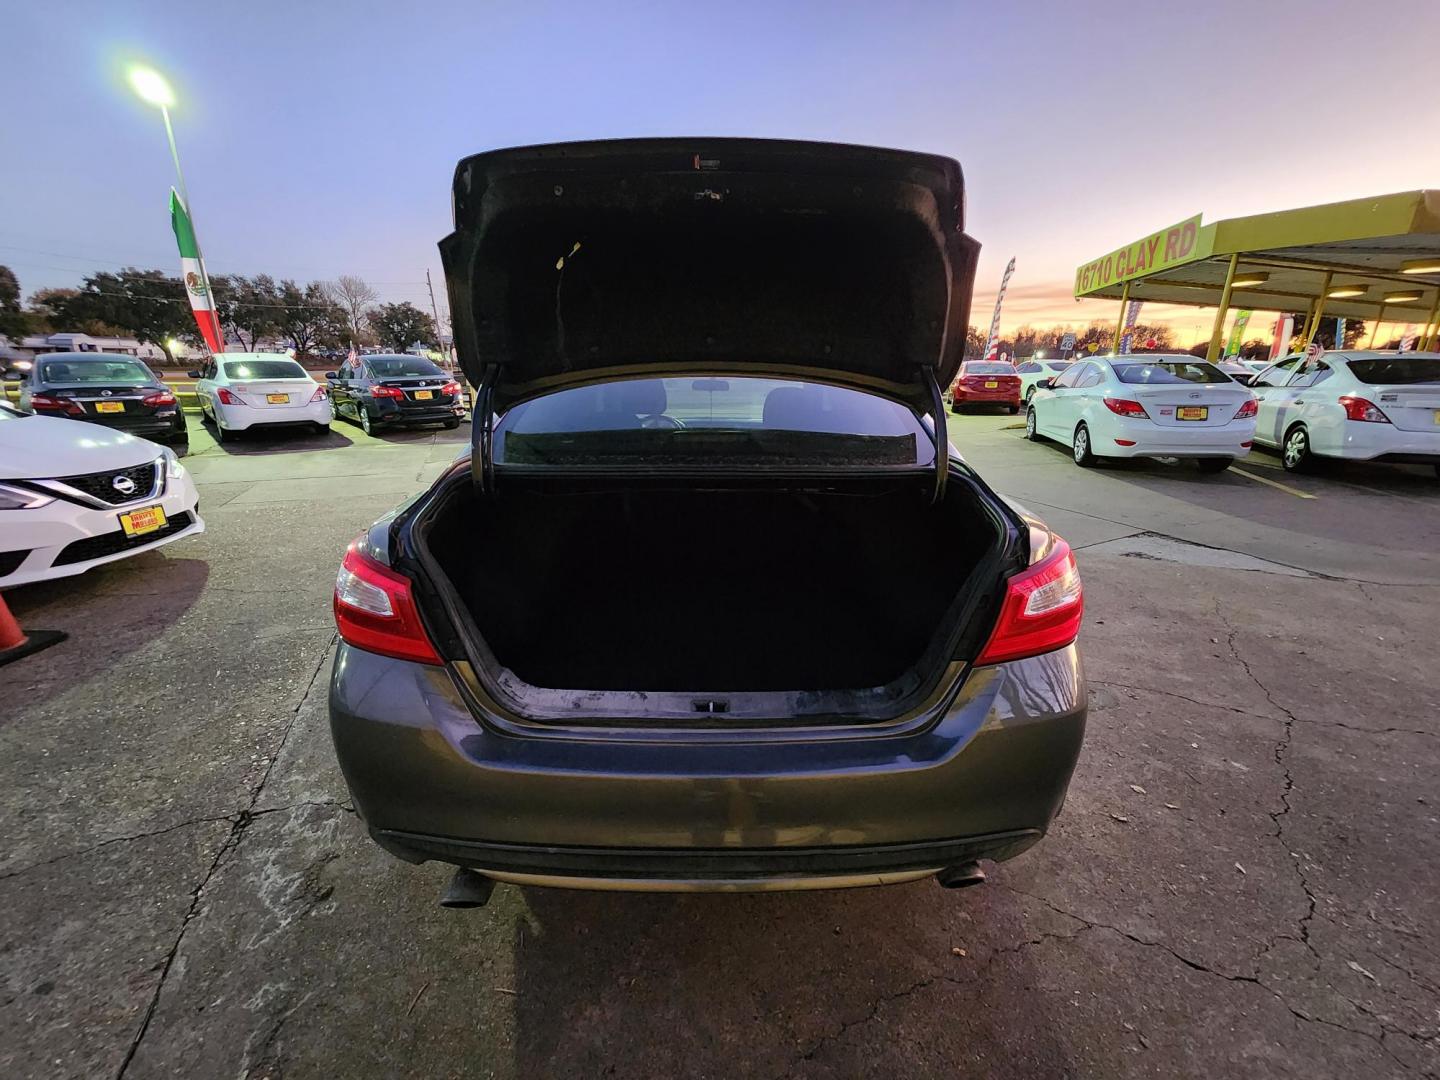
(1245, 880)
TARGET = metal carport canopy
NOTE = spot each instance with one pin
(1382, 254)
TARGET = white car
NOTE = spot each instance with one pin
(1361, 405)
(1032, 372)
(1155, 405)
(239, 391)
(73, 496)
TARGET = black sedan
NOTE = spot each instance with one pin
(112, 389)
(391, 390)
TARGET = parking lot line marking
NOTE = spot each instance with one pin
(1275, 484)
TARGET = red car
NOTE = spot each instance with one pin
(986, 382)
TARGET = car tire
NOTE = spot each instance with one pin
(322, 429)
(1032, 430)
(221, 435)
(1013, 409)
(956, 407)
(1215, 464)
(1029, 394)
(451, 425)
(365, 424)
(1080, 450)
(1295, 452)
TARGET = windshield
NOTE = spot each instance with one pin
(1397, 369)
(1171, 372)
(265, 369)
(94, 371)
(386, 367)
(712, 421)
(983, 367)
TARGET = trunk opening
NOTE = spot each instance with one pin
(845, 599)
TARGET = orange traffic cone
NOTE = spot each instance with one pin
(14, 643)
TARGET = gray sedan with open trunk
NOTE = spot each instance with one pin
(711, 603)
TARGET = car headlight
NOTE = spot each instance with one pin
(18, 498)
(173, 469)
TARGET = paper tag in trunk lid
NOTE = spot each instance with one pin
(588, 261)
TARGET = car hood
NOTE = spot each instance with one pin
(42, 447)
(584, 262)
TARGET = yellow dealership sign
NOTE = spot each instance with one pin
(1185, 242)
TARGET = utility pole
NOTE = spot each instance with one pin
(435, 314)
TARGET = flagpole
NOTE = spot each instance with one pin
(185, 198)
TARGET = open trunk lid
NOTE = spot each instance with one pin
(585, 262)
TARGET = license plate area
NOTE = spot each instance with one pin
(146, 519)
(992, 385)
(1437, 416)
(278, 399)
(109, 406)
(424, 395)
(1192, 412)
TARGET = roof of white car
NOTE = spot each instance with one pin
(226, 356)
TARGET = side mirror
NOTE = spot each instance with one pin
(194, 374)
(1045, 384)
(332, 374)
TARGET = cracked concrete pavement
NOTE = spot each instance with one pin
(1243, 882)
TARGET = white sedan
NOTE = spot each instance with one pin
(73, 496)
(1032, 372)
(1155, 405)
(239, 391)
(1361, 405)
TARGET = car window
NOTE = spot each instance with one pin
(1059, 365)
(1091, 376)
(986, 367)
(1276, 375)
(1028, 369)
(1396, 369)
(94, 371)
(388, 367)
(1067, 377)
(1310, 377)
(1169, 371)
(264, 369)
(712, 421)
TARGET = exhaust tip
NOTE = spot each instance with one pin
(962, 876)
(466, 890)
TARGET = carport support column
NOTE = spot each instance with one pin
(1217, 332)
(1432, 328)
(1120, 322)
(1316, 313)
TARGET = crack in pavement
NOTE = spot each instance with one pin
(237, 830)
(1255, 980)
(115, 840)
(1262, 716)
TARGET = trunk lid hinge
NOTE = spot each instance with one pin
(942, 439)
(482, 431)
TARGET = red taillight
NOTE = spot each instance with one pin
(158, 399)
(451, 388)
(1245, 410)
(387, 392)
(45, 402)
(1357, 408)
(1124, 442)
(318, 395)
(375, 611)
(1126, 407)
(1041, 611)
(228, 397)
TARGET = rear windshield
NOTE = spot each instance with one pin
(1057, 366)
(264, 369)
(388, 367)
(1178, 372)
(712, 421)
(982, 367)
(1397, 369)
(95, 371)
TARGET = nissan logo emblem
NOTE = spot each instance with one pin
(123, 484)
(106, 393)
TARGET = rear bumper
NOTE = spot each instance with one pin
(1380, 442)
(388, 412)
(771, 808)
(1152, 440)
(995, 397)
(244, 417)
(161, 424)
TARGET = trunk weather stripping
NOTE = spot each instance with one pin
(942, 441)
(482, 431)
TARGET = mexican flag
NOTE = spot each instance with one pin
(202, 304)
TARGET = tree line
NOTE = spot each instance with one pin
(152, 307)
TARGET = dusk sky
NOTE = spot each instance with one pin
(319, 139)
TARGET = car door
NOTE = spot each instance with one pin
(1088, 388)
(1272, 398)
(340, 391)
(1064, 406)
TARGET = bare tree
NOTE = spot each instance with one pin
(355, 296)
